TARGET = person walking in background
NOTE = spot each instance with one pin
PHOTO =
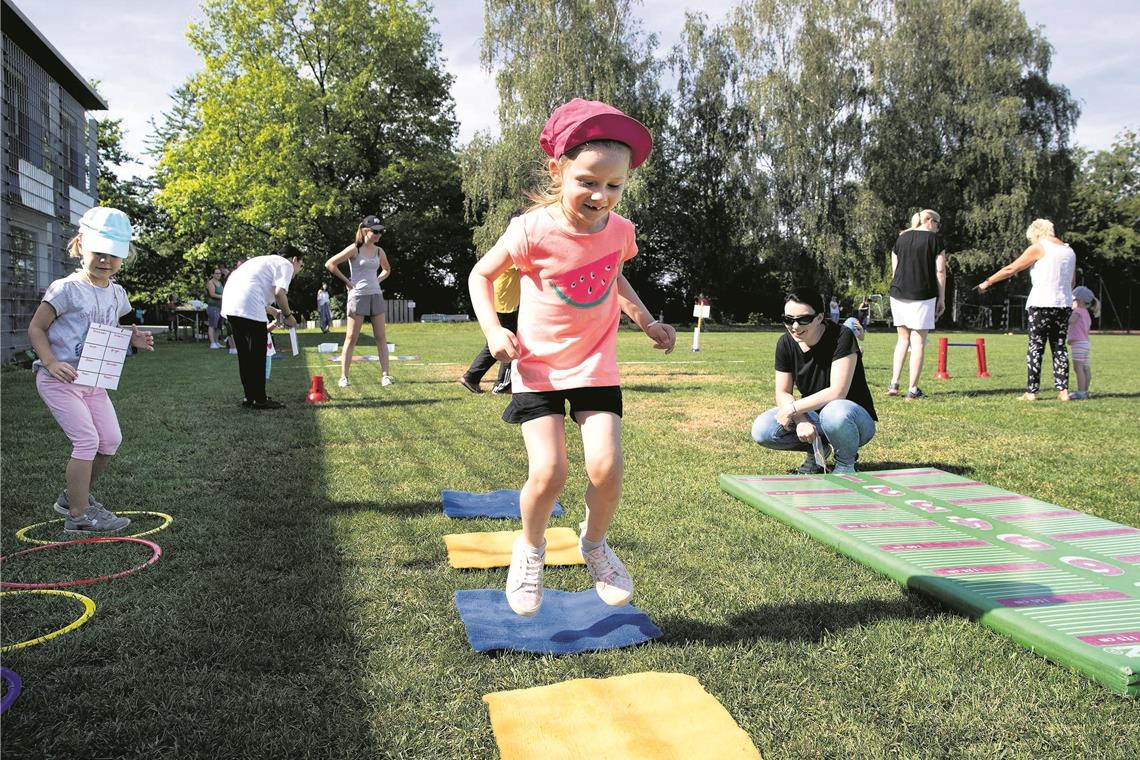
(835, 411)
(214, 289)
(1052, 269)
(506, 309)
(865, 312)
(833, 307)
(569, 248)
(918, 296)
(368, 267)
(252, 287)
(1084, 302)
(57, 332)
(323, 307)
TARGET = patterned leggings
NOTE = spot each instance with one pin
(1048, 323)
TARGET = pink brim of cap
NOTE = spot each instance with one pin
(610, 126)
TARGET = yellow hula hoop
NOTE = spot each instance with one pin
(88, 611)
(22, 533)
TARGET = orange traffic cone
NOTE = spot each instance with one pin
(317, 392)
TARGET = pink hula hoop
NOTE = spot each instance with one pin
(155, 553)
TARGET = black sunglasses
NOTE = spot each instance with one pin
(789, 320)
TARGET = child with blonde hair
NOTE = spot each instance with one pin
(58, 331)
(1084, 303)
(569, 248)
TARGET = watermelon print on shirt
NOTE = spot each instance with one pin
(568, 309)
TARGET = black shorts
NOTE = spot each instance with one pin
(525, 407)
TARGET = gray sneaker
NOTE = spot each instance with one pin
(95, 521)
(63, 507)
(809, 467)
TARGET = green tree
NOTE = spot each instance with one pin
(1104, 224)
(965, 121)
(309, 114)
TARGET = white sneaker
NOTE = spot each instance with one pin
(524, 579)
(611, 579)
(215, 345)
(342, 383)
(233, 351)
(386, 380)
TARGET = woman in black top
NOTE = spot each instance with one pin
(835, 410)
(918, 295)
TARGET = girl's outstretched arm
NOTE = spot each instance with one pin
(663, 335)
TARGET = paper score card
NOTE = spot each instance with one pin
(104, 351)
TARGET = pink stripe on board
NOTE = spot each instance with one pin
(808, 493)
(1036, 515)
(830, 507)
(1006, 567)
(1128, 559)
(1082, 596)
(961, 484)
(986, 499)
(964, 544)
(910, 473)
(772, 478)
(1096, 533)
(898, 524)
(1108, 639)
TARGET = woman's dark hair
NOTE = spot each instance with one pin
(814, 300)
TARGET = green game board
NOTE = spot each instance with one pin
(1060, 582)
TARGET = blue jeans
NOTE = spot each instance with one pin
(844, 424)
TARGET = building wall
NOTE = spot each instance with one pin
(50, 168)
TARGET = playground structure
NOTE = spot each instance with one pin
(944, 344)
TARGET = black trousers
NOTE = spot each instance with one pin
(250, 338)
(484, 360)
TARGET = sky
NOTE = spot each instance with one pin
(138, 52)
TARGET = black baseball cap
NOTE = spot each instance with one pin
(373, 223)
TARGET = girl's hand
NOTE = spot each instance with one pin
(504, 345)
(805, 431)
(144, 340)
(981, 286)
(62, 371)
(663, 336)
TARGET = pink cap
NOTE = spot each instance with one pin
(580, 121)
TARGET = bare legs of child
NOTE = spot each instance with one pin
(545, 440)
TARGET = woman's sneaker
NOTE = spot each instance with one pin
(524, 579)
(914, 394)
(611, 579)
(342, 383)
(386, 380)
(95, 521)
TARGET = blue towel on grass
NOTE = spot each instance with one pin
(503, 503)
(567, 623)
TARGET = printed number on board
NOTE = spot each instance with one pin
(971, 522)
(925, 506)
(1094, 565)
(883, 490)
(1025, 542)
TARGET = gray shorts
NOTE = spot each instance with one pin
(371, 305)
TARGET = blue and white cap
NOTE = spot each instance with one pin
(106, 230)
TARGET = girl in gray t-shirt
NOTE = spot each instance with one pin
(58, 331)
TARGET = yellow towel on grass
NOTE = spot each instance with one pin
(465, 550)
(641, 716)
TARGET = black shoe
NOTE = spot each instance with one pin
(267, 404)
(246, 403)
(473, 387)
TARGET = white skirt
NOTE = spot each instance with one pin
(917, 315)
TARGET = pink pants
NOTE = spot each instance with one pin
(85, 414)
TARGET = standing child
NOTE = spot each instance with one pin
(569, 248)
(1079, 323)
(57, 332)
(368, 267)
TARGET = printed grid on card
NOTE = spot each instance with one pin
(104, 350)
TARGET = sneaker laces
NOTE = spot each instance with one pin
(601, 568)
(532, 567)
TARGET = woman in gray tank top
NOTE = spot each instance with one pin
(368, 267)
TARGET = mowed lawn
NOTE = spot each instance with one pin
(302, 607)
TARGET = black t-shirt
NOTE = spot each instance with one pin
(812, 369)
(916, 277)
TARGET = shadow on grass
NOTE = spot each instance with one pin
(795, 621)
(374, 402)
(870, 467)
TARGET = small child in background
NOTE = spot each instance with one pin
(569, 248)
(1084, 302)
(58, 331)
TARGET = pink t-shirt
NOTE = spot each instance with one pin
(1079, 327)
(568, 308)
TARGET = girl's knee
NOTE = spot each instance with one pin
(549, 477)
(605, 472)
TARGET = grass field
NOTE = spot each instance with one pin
(303, 608)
